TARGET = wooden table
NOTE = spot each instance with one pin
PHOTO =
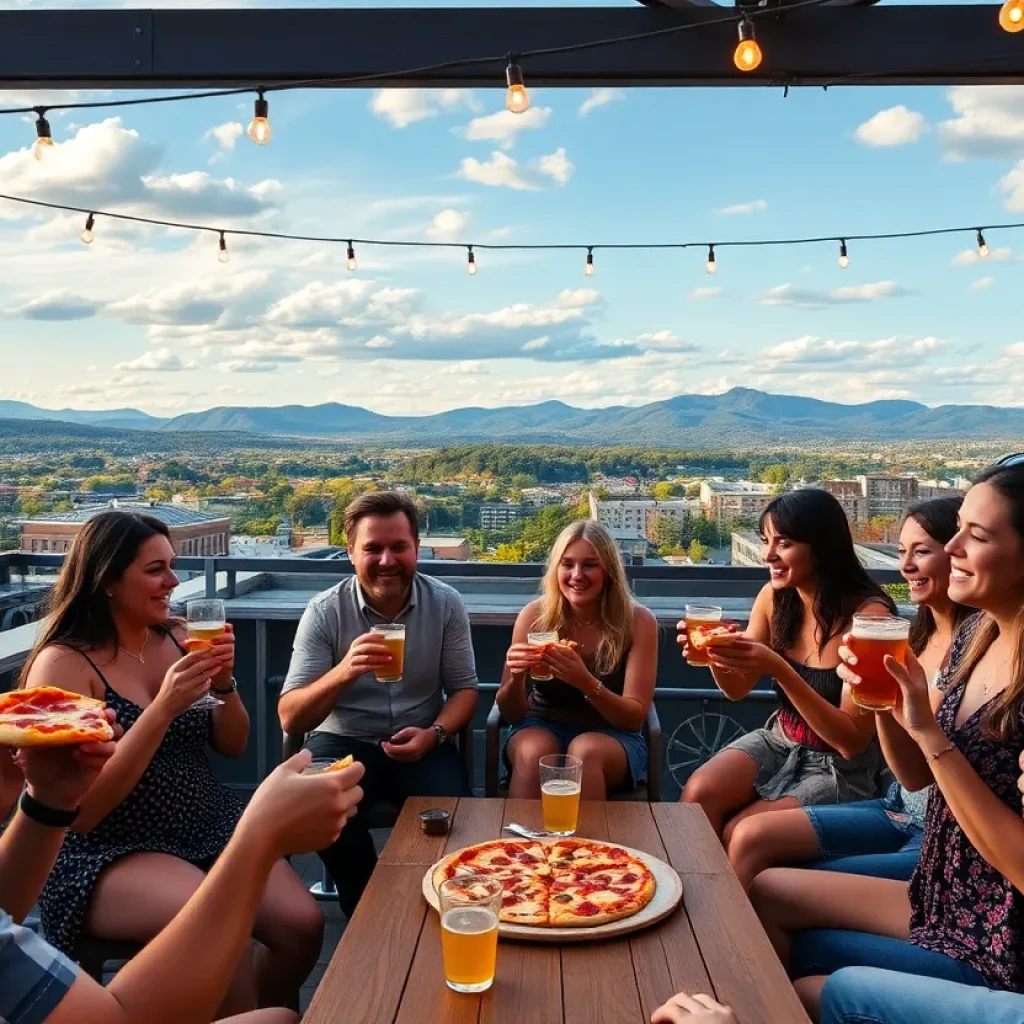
(387, 967)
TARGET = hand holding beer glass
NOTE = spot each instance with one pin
(871, 639)
(541, 640)
(697, 615)
(561, 777)
(392, 636)
(205, 619)
(470, 905)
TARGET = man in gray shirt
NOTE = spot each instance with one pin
(399, 731)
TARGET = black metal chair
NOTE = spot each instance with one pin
(494, 786)
(382, 814)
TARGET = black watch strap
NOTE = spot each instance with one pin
(44, 815)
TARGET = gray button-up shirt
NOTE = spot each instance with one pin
(438, 657)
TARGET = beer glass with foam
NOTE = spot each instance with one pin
(561, 777)
(540, 671)
(470, 905)
(872, 638)
(205, 619)
(699, 615)
(392, 635)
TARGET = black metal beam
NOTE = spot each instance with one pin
(898, 45)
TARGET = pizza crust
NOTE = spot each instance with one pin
(47, 716)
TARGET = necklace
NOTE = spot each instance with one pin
(141, 656)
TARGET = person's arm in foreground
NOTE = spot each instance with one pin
(697, 1009)
(167, 983)
(512, 697)
(58, 777)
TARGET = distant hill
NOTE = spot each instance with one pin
(740, 417)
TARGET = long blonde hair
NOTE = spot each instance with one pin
(615, 612)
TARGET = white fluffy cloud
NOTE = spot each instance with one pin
(989, 123)
(895, 126)
(971, 257)
(1011, 186)
(556, 166)
(56, 305)
(504, 127)
(448, 225)
(202, 301)
(403, 107)
(981, 285)
(699, 294)
(810, 298)
(502, 171)
(811, 350)
(739, 209)
(225, 135)
(600, 98)
(161, 360)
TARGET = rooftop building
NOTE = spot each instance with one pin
(734, 499)
(445, 549)
(641, 514)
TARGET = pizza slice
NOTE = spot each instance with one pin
(718, 634)
(593, 894)
(524, 900)
(582, 853)
(336, 767)
(47, 716)
(500, 858)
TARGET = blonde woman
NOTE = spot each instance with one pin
(597, 701)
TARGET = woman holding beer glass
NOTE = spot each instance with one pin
(880, 837)
(819, 747)
(156, 817)
(588, 700)
(960, 918)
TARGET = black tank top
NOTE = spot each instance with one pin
(561, 702)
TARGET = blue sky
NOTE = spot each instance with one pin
(149, 318)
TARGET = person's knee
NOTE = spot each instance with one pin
(699, 789)
(589, 749)
(297, 925)
(530, 749)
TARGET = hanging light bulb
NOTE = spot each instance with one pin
(470, 262)
(222, 249)
(844, 259)
(711, 266)
(1011, 16)
(87, 236)
(350, 258)
(259, 127)
(747, 56)
(517, 99)
(590, 269)
(983, 249)
(44, 140)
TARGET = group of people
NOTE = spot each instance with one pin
(155, 836)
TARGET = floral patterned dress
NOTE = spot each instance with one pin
(961, 906)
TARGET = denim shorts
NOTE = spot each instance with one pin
(565, 732)
(863, 827)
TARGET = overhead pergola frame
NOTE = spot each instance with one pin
(834, 44)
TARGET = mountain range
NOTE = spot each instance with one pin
(740, 416)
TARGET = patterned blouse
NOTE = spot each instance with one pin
(961, 906)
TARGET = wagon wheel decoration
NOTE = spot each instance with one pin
(697, 739)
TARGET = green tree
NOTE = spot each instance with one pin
(697, 551)
(777, 475)
(666, 532)
(663, 490)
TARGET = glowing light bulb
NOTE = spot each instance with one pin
(1011, 16)
(747, 56)
(844, 259)
(589, 269)
(983, 250)
(222, 249)
(711, 266)
(517, 99)
(350, 258)
(87, 236)
(259, 127)
(471, 267)
(44, 140)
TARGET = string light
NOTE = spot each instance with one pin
(470, 261)
(44, 140)
(222, 249)
(983, 249)
(1011, 16)
(711, 266)
(259, 126)
(87, 236)
(350, 259)
(589, 268)
(517, 99)
(747, 56)
(844, 259)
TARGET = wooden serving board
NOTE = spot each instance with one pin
(668, 894)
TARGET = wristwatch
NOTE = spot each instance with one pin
(441, 734)
(43, 814)
(230, 689)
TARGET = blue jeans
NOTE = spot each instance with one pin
(865, 995)
(826, 950)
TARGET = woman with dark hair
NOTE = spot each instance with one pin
(961, 918)
(156, 818)
(880, 837)
(819, 747)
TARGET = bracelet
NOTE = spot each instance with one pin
(600, 687)
(231, 689)
(938, 753)
(43, 814)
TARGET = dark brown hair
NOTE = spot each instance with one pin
(841, 584)
(937, 517)
(77, 608)
(381, 503)
(1001, 719)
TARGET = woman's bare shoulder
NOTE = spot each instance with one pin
(57, 665)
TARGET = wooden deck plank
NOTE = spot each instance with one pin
(408, 843)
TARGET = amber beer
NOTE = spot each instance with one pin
(204, 631)
(872, 638)
(694, 616)
(541, 672)
(205, 619)
(392, 636)
(470, 905)
(560, 783)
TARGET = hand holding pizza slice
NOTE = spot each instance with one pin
(47, 716)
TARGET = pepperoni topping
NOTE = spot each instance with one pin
(500, 861)
(629, 878)
(588, 909)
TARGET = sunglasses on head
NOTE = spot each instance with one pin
(1010, 460)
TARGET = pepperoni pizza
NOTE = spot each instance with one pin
(47, 716)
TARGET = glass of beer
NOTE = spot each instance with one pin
(694, 616)
(392, 635)
(560, 783)
(205, 619)
(873, 637)
(470, 905)
(540, 671)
